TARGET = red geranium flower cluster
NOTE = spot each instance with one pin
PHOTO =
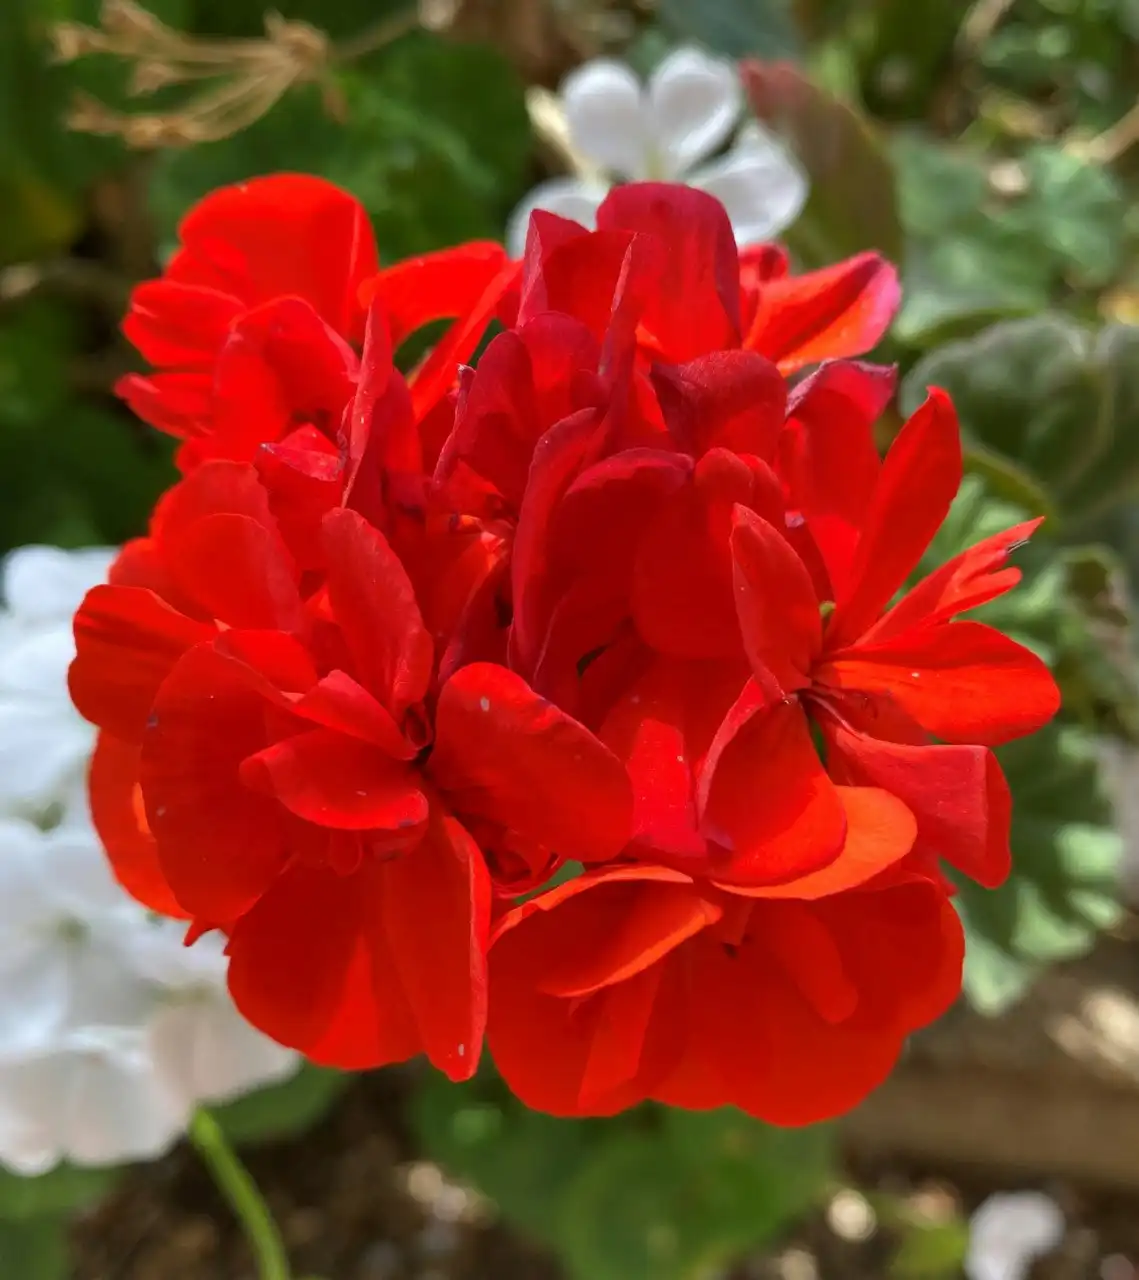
(568, 700)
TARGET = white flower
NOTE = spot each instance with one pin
(66, 934)
(92, 1098)
(1009, 1232)
(665, 130)
(111, 1031)
(202, 1048)
(44, 744)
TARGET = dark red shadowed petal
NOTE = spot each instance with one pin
(917, 485)
(958, 795)
(220, 845)
(120, 819)
(336, 781)
(694, 307)
(506, 755)
(839, 311)
(765, 801)
(127, 641)
(279, 235)
(731, 399)
(970, 579)
(374, 603)
(961, 681)
(880, 832)
(776, 604)
(828, 457)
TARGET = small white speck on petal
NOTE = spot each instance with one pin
(484, 704)
(915, 675)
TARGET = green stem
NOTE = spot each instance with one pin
(234, 1181)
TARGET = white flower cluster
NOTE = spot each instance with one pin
(111, 1031)
(1009, 1232)
(666, 130)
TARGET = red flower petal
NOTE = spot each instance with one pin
(764, 798)
(919, 480)
(179, 325)
(958, 795)
(961, 681)
(310, 965)
(436, 913)
(434, 286)
(602, 1051)
(776, 604)
(880, 832)
(220, 845)
(970, 579)
(731, 399)
(177, 403)
(374, 603)
(120, 819)
(694, 306)
(127, 641)
(504, 754)
(839, 311)
(828, 456)
(335, 781)
(285, 234)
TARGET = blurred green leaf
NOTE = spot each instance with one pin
(282, 1110)
(1064, 885)
(934, 1251)
(435, 145)
(735, 28)
(1053, 397)
(49, 1195)
(852, 205)
(653, 1194)
(34, 1249)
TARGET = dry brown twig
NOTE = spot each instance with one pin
(241, 78)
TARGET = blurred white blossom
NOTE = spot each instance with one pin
(111, 1031)
(666, 130)
(1009, 1232)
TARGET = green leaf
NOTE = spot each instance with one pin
(435, 145)
(60, 1191)
(34, 1249)
(649, 1195)
(735, 28)
(852, 205)
(282, 1110)
(1063, 888)
(931, 1252)
(1052, 397)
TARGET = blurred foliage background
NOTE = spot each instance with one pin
(990, 148)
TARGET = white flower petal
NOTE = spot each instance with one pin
(607, 116)
(159, 954)
(204, 1050)
(33, 1091)
(118, 1108)
(79, 878)
(1009, 1232)
(760, 186)
(694, 101)
(35, 664)
(48, 583)
(35, 993)
(43, 754)
(572, 198)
